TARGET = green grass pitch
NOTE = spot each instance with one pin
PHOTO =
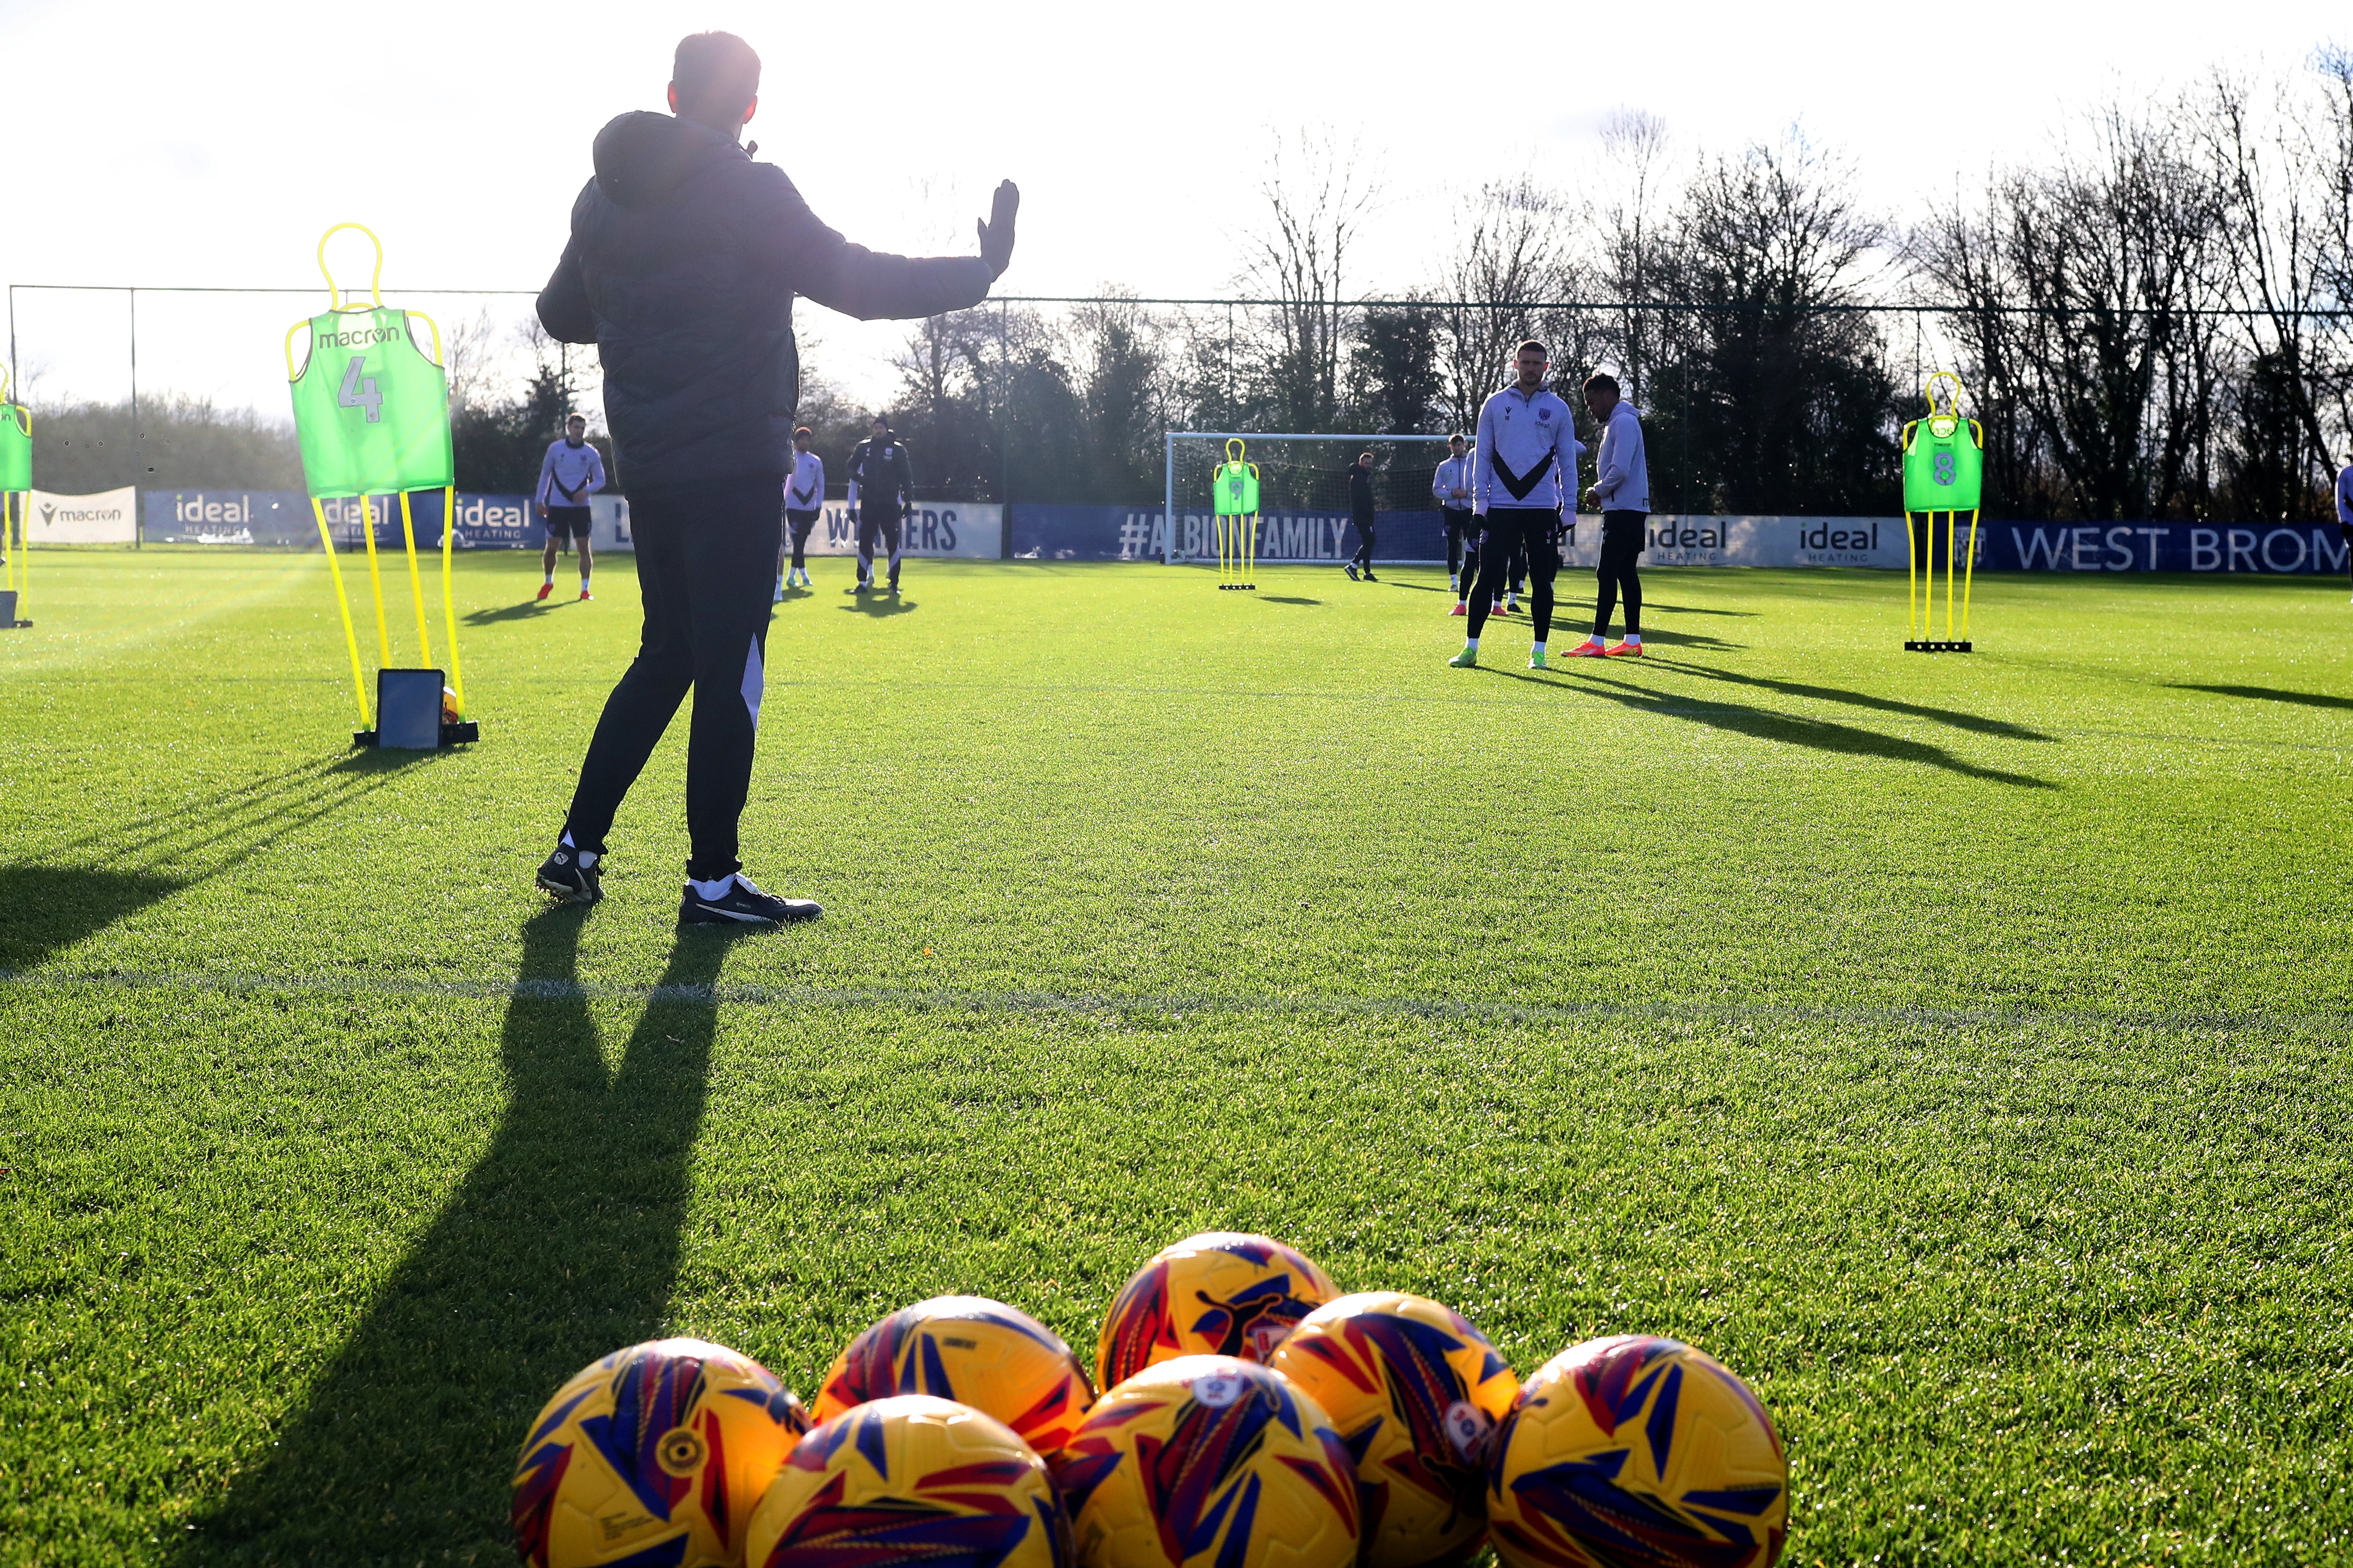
(1955, 1046)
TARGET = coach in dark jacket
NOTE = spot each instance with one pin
(684, 260)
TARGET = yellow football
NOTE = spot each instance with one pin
(910, 1481)
(1208, 1462)
(1416, 1393)
(663, 1449)
(1636, 1449)
(997, 1359)
(1218, 1293)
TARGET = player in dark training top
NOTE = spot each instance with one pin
(881, 486)
(1360, 513)
(684, 262)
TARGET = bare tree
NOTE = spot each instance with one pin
(1508, 256)
(1780, 388)
(2330, 125)
(2087, 285)
(2271, 156)
(1119, 354)
(1628, 231)
(467, 359)
(1318, 199)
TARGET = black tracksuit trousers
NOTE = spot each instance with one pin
(1364, 556)
(1522, 533)
(1462, 529)
(1623, 536)
(706, 561)
(887, 529)
(799, 522)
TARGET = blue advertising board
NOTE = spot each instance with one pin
(2268, 549)
(283, 518)
(1052, 532)
(1038, 532)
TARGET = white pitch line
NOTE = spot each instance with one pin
(1176, 1008)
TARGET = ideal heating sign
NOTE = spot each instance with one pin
(970, 531)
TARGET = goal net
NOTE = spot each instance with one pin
(1303, 495)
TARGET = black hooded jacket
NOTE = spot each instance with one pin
(684, 259)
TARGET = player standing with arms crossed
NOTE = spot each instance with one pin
(804, 499)
(1621, 494)
(572, 471)
(1522, 469)
(882, 488)
(1451, 486)
(683, 265)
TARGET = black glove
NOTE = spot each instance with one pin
(997, 233)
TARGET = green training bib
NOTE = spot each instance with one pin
(1237, 489)
(371, 411)
(16, 447)
(1944, 470)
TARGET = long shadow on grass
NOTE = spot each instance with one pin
(560, 1245)
(119, 839)
(49, 905)
(2269, 694)
(44, 908)
(528, 609)
(1785, 728)
(1697, 610)
(1952, 716)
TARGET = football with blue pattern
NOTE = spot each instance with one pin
(910, 1479)
(1218, 1293)
(1637, 1452)
(1209, 1462)
(997, 1359)
(1417, 1395)
(656, 1454)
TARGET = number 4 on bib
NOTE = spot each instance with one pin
(371, 407)
(356, 393)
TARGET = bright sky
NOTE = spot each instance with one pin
(209, 145)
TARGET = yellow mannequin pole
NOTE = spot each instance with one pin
(449, 604)
(1250, 550)
(1952, 525)
(1970, 576)
(415, 585)
(1911, 581)
(375, 584)
(350, 638)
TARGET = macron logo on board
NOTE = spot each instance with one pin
(109, 516)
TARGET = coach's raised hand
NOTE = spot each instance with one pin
(996, 231)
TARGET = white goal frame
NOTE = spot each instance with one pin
(1168, 465)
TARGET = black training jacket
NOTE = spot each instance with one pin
(684, 259)
(884, 478)
(1360, 490)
